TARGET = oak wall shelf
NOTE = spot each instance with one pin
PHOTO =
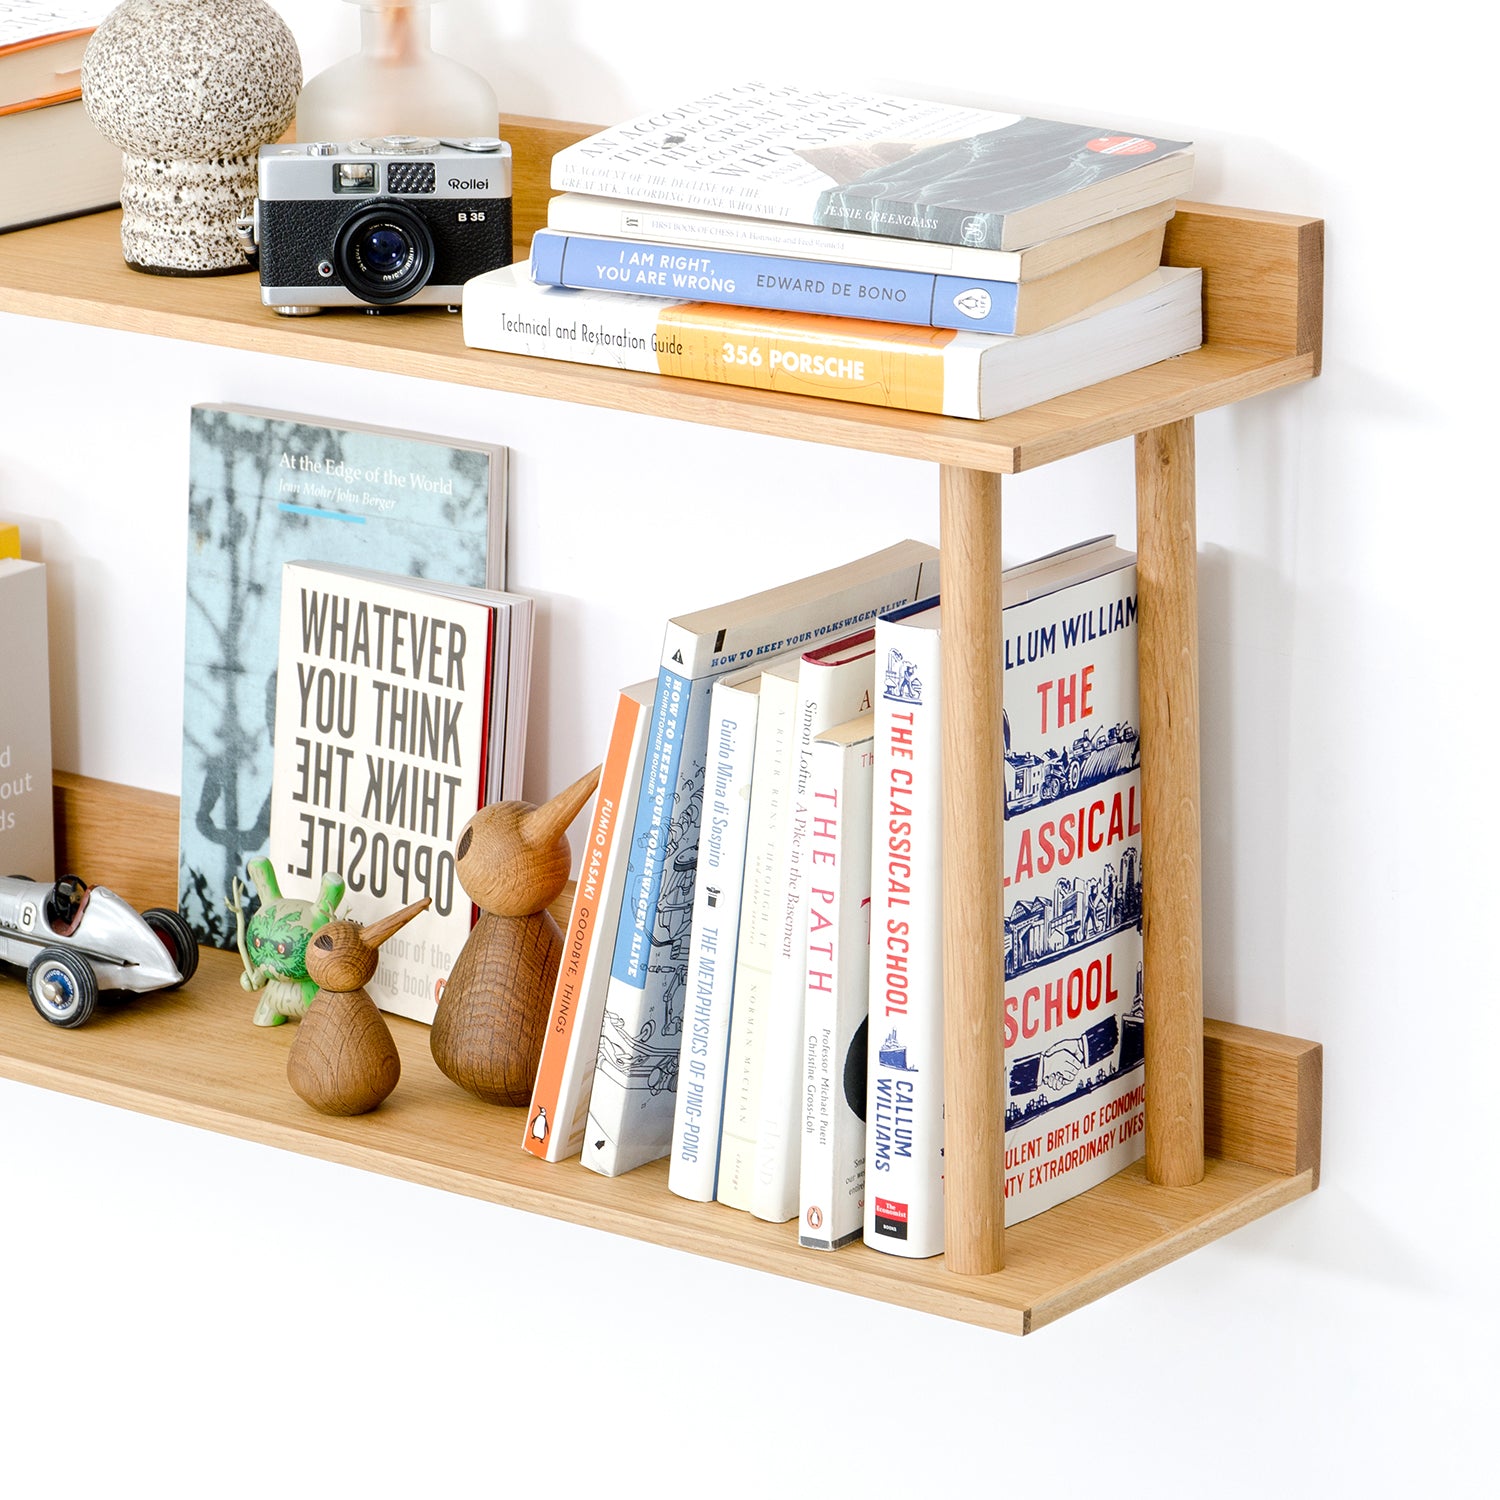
(1233, 1115)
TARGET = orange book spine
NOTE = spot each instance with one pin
(548, 1104)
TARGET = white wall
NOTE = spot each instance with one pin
(180, 1307)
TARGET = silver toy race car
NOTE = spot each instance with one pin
(74, 940)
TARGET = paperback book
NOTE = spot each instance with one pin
(401, 713)
(946, 371)
(578, 213)
(718, 886)
(846, 289)
(1072, 1019)
(835, 1060)
(826, 687)
(25, 720)
(630, 1117)
(265, 488)
(762, 907)
(878, 164)
(565, 1073)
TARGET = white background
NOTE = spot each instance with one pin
(191, 1315)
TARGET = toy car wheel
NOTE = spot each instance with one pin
(62, 987)
(176, 937)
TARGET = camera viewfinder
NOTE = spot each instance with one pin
(355, 177)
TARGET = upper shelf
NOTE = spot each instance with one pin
(1263, 317)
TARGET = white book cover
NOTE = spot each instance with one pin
(833, 683)
(717, 887)
(771, 789)
(565, 1072)
(640, 1042)
(904, 1100)
(1074, 1023)
(391, 716)
(835, 1063)
(956, 374)
(578, 213)
(25, 723)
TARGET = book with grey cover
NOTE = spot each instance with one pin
(25, 723)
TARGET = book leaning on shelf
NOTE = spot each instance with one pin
(631, 1112)
(400, 712)
(565, 1071)
(944, 371)
(25, 716)
(265, 488)
(1073, 1036)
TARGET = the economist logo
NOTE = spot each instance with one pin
(1121, 145)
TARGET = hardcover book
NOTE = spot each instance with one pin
(265, 488)
(1072, 1023)
(630, 1118)
(578, 213)
(41, 49)
(400, 712)
(565, 1073)
(25, 723)
(718, 886)
(835, 1059)
(947, 371)
(845, 289)
(878, 164)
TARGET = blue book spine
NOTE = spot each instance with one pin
(847, 290)
(648, 837)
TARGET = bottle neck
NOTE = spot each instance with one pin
(395, 33)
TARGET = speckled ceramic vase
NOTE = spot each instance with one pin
(189, 90)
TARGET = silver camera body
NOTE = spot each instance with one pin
(398, 221)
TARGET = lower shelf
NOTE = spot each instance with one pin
(193, 1056)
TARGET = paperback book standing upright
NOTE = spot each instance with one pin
(630, 1117)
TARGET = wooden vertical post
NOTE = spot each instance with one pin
(973, 892)
(1167, 580)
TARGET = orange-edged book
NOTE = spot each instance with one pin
(565, 1075)
(956, 374)
(41, 49)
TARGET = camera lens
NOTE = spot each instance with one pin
(385, 253)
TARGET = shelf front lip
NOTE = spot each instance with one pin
(1129, 1227)
(117, 298)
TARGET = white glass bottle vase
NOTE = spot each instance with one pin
(396, 84)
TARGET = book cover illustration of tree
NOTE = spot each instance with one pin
(264, 490)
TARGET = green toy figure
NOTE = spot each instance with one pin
(274, 948)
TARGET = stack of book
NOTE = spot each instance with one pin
(866, 248)
(752, 984)
(53, 162)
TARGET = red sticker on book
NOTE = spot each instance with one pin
(1122, 145)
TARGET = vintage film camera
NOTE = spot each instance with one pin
(398, 221)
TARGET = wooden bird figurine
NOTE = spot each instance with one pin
(513, 859)
(344, 1061)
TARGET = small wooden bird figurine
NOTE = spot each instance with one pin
(513, 859)
(344, 1061)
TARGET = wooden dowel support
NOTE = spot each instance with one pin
(1167, 581)
(973, 897)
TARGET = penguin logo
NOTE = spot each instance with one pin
(539, 1125)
